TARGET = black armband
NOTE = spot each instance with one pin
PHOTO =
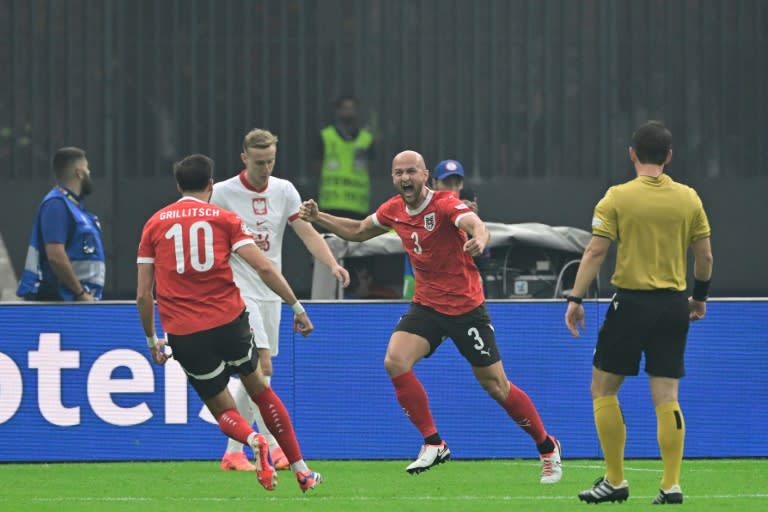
(573, 298)
(700, 290)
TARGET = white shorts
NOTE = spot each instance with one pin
(264, 317)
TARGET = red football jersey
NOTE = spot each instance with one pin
(447, 279)
(190, 242)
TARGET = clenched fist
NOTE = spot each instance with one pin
(309, 211)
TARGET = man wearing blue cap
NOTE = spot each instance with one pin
(449, 175)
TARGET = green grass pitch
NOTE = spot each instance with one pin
(486, 485)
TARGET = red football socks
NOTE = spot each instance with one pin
(413, 399)
(233, 425)
(522, 410)
(278, 422)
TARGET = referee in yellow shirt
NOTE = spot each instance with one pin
(654, 221)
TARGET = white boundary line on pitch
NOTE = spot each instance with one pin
(687, 467)
(129, 499)
(566, 465)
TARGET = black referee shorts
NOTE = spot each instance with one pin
(210, 357)
(472, 332)
(654, 323)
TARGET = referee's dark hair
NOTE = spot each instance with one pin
(193, 173)
(63, 160)
(652, 142)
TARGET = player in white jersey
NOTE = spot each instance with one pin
(266, 204)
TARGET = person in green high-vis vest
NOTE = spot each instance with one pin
(343, 156)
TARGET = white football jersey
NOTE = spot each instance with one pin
(266, 212)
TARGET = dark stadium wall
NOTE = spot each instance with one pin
(538, 99)
(736, 207)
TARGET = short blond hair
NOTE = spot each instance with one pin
(259, 138)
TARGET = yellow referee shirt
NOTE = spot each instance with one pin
(654, 221)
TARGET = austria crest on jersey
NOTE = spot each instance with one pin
(260, 205)
(429, 221)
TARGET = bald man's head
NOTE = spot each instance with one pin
(410, 176)
(408, 158)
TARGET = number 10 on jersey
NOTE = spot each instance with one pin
(196, 230)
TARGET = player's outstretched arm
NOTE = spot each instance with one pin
(473, 225)
(319, 249)
(274, 279)
(348, 229)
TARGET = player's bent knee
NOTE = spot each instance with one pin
(396, 366)
(265, 362)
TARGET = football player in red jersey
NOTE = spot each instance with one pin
(185, 250)
(448, 302)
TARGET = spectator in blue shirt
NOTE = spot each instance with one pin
(65, 259)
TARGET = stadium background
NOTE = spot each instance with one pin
(537, 97)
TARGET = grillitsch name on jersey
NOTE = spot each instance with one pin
(190, 212)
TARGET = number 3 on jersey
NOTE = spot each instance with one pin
(416, 247)
(195, 231)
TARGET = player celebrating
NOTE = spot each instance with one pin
(266, 204)
(448, 302)
(186, 246)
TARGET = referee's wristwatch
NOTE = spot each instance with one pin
(573, 298)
